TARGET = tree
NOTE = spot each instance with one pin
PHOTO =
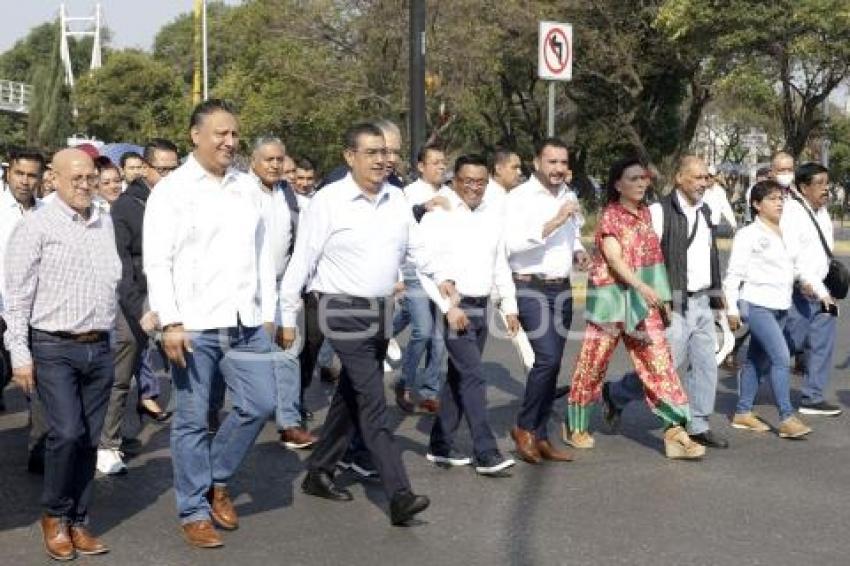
(132, 98)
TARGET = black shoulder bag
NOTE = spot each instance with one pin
(837, 279)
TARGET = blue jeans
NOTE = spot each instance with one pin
(244, 358)
(692, 344)
(417, 310)
(287, 376)
(767, 355)
(74, 382)
(812, 332)
(545, 314)
(145, 374)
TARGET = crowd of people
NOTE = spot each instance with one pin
(244, 284)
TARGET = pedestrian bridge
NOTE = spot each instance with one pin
(15, 97)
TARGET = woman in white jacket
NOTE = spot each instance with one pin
(758, 286)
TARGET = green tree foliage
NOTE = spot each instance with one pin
(132, 98)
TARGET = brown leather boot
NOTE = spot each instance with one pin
(85, 542)
(201, 534)
(549, 452)
(57, 538)
(222, 510)
(526, 445)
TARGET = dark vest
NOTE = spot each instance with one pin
(674, 245)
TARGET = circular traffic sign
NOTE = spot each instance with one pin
(556, 51)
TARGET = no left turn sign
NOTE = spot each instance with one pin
(555, 51)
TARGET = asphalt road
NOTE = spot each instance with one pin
(763, 501)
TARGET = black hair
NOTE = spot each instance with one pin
(806, 172)
(158, 144)
(352, 134)
(208, 107)
(549, 142)
(616, 173)
(422, 154)
(128, 155)
(469, 159)
(760, 191)
(305, 163)
(501, 155)
(27, 154)
(101, 162)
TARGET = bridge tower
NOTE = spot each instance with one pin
(79, 27)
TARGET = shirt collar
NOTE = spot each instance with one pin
(198, 173)
(354, 192)
(75, 216)
(685, 205)
(7, 200)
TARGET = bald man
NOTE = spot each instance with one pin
(688, 239)
(62, 271)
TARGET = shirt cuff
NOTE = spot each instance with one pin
(288, 319)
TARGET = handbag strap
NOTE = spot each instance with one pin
(692, 236)
(817, 226)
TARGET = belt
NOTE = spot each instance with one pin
(80, 338)
(352, 301)
(697, 294)
(540, 279)
(476, 302)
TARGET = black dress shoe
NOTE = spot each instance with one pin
(321, 484)
(405, 504)
(562, 391)
(710, 439)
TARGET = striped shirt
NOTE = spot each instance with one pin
(62, 274)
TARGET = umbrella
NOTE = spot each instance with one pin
(114, 151)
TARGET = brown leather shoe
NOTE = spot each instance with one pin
(403, 400)
(549, 452)
(297, 437)
(201, 534)
(526, 446)
(222, 510)
(85, 542)
(57, 538)
(430, 406)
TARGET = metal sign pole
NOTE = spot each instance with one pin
(551, 128)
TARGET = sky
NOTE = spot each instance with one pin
(133, 23)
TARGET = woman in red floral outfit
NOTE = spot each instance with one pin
(627, 292)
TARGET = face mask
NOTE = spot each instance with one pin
(785, 179)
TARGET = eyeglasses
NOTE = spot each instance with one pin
(90, 180)
(472, 183)
(163, 171)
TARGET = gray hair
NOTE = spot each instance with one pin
(387, 126)
(263, 141)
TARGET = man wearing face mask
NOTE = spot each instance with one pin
(812, 317)
(782, 170)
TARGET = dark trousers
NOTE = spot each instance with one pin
(357, 329)
(464, 394)
(73, 382)
(127, 355)
(545, 312)
(313, 339)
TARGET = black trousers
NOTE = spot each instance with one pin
(464, 394)
(73, 381)
(313, 338)
(358, 330)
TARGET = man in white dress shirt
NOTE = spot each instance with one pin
(468, 239)
(415, 306)
(718, 201)
(353, 239)
(811, 323)
(267, 168)
(211, 280)
(543, 240)
(25, 172)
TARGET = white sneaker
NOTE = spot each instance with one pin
(109, 462)
(393, 352)
(387, 367)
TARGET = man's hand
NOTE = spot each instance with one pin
(285, 337)
(149, 321)
(457, 319)
(270, 329)
(398, 290)
(567, 210)
(176, 341)
(440, 201)
(827, 302)
(734, 322)
(808, 290)
(25, 378)
(581, 259)
(448, 291)
(513, 324)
